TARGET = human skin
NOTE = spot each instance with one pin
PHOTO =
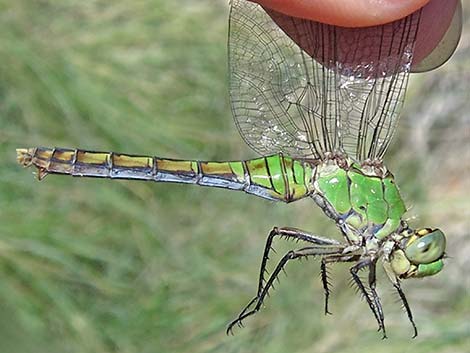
(435, 20)
(346, 13)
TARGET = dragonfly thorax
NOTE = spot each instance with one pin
(363, 199)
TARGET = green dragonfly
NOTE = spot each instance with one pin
(320, 104)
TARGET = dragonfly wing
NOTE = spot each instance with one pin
(304, 88)
(268, 79)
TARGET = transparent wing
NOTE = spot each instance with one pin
(304, 88)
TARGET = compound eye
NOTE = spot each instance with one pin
(426, 246)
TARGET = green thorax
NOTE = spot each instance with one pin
(364, 196)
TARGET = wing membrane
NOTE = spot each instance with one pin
(305, 88)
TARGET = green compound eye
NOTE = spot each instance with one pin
(426, 246)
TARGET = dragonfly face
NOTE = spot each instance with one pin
(421, 255)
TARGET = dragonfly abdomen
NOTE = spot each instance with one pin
(275, 177)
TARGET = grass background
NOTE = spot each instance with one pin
(100, 266)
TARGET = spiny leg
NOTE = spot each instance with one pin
(324, 280)
(375, 296)
(357, 280)
(406, 306)
(288, 233)
(324, 273)
(291, 255)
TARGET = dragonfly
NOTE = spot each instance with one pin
(320, 104)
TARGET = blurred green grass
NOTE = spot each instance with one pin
(99, 266)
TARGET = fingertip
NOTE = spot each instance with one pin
(346, 13)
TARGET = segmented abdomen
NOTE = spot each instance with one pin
(275, 177)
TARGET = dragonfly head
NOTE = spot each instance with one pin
(420, 254)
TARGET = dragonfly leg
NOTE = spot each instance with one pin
(406, 306)
(375, 296)
(324, 280)
(357, 280)
(396, 284)
(291, 255)
(288, 233)
(324, 273)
